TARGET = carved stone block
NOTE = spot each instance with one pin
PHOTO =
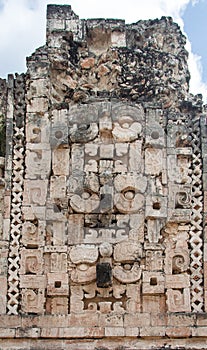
(33, 301)
(31, 262)
(178, 300)
(58, 262)
(153, 283)
(153, 161)
(3, 293)
(38, 163)
(60, 161)
(35, 192)
(33, 234)
(57, 284)
(59, 306)
(154, 260)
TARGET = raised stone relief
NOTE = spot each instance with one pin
(104, 187)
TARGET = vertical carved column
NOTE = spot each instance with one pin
(203, 126)
(196, 232)
(16, 194)
(4, 114)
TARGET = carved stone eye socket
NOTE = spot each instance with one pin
(82, 267)
(156, 205)
(31, 229)
(125, 126)
(83, 127)
(58, 134)
(129, 194)
(57, 284)
(153, 281)
(127, 267)
(155, 135)
(85, 195)
(36, 131)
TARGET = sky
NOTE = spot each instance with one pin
(23, 27)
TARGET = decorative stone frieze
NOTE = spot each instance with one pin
(103, 190)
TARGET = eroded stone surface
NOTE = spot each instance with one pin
(103, 188)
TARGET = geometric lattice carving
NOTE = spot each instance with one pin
(196, 232)
(16, 196)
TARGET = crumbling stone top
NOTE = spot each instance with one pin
(144, 61)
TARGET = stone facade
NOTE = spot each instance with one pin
(103, 191)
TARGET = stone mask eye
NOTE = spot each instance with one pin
(155, 135)
(129, 194)
(58, 134)
(86, 195)
(83, 127)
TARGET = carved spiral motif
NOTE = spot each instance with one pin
(31, 296)
(29, 228)
(32, 264)
(180, 263)
(183, 200)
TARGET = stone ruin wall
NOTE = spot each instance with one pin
(103, 191)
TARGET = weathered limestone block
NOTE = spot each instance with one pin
(154, 304)
(37, 88)
(180, 165)
(31, 261)
(33, 234)
(177, 261)
(177, 281)
(84, 254)
(38, 161)
(33, 301)
(59, 306)
(37, 104)
(58, 187)
(153, 161)
(35, 192)
(154, 260)
(57, 284)
(178, 300)
(58, 262)
(37, 130)
(3, 293)
(32, 282)
(76, 229)
(60, 161)
(153, 283)
(56, 231)
(127, 251)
